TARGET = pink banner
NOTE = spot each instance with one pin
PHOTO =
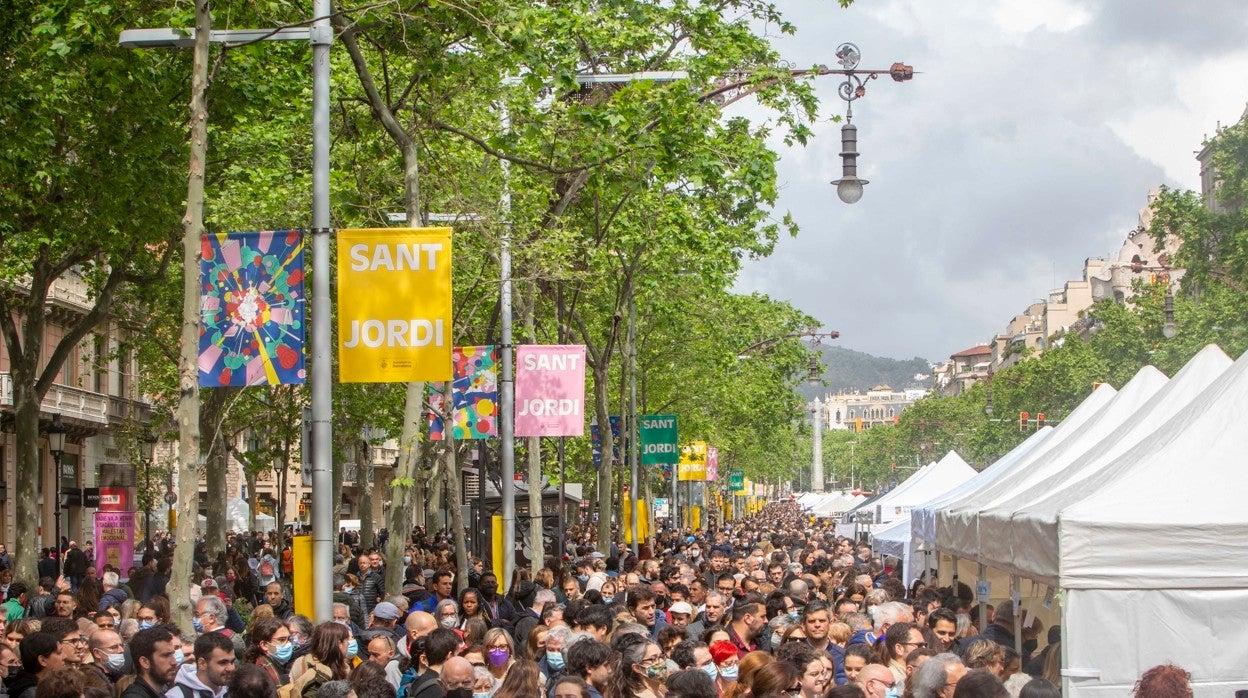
(712, 464)
(550, 390)
(114, 541)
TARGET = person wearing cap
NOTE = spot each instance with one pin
(382, 621)
(679, 614)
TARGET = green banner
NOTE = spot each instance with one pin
(658, 439)
(736, 480)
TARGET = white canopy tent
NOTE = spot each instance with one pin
(956, 527)
(868, 504)
(1031, 526)
(932, 481)
(1148, 548)
(923, 517)
(834, 506)
(236, 515)
(994, 544)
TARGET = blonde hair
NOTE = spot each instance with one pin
(839, 632)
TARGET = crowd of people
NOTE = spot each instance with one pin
(771, 605)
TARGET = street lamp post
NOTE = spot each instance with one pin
(321, 36)
(147, 448)
(816, 468)
(849, 186)
(56, 446)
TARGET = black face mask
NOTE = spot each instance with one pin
(488, 593)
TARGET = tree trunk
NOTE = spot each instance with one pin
(188, 366)
(454, 496)
(26, 493)
(253, 499)
(433, 495)
(605, 484)
(402, 486)
(216, 466)
(533, 446)
(364, 485)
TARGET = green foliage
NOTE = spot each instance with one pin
(847, 370)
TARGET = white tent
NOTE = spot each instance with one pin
(932, 481)
(923, 517)
(868, 503)
(1150, 547)
(993, 519)
(835, 505)
(236, 517)
(956, 527)
(894, 540)
(1033, 523)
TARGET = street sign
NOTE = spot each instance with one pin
(659, 443)
(171, 498)
(736, 480)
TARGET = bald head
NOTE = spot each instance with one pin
(875, 679)
(456, 673)
(420, 624)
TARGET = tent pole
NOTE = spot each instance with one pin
(983, 603)
(1016, 592)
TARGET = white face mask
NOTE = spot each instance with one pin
(449, 622)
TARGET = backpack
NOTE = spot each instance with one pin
(294, 689)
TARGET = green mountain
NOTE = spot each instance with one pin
(848, 370)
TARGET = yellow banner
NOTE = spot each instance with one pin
(394, 305)
(692, 464)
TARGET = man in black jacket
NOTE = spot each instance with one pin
(40, 654)
(75, 566)
(152, 650)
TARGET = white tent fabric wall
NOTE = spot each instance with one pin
(933, 481)
(1033, 524)
(834, 506)
(957, 530)
(923, 518)
(869, 505)
(994, 501)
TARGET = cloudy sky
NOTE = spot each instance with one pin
(1028, 142)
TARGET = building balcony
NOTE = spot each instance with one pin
(61, 399)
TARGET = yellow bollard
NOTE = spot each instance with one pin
(626, 506)
(301, 578)
(496, 549)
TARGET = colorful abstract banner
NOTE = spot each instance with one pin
(394, 305)
(712, 464)
(475, 391)
(252, 306)
(114, 540)
(550, 390)
(659, 442)
(617, 440)
(692, 466)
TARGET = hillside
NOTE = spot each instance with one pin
(847, 370)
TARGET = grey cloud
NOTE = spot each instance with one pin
(993, 175)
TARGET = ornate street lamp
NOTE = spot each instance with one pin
(56, 432)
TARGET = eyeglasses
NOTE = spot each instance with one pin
(913, 644)
(75, 640)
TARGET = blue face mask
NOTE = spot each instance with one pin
(148, 624)
(283, 651)
(608, 599)
(179, 656)
(729, 673)
(793, 615)
(353, 648)
(487, 694)
(199, 627)
(554, 660)
(711, 670)
(892, 692)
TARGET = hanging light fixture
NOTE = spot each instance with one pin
(849, 186)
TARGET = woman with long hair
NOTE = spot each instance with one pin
(775, 678)
(535, 643)
(749, 665)
(328, 659)
(89, 592)
(642, 671)
(523, 681)
(500, 652)
(270, 648)
(470, 607)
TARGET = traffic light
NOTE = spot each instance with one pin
(1023, 418)
(1039, 420)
